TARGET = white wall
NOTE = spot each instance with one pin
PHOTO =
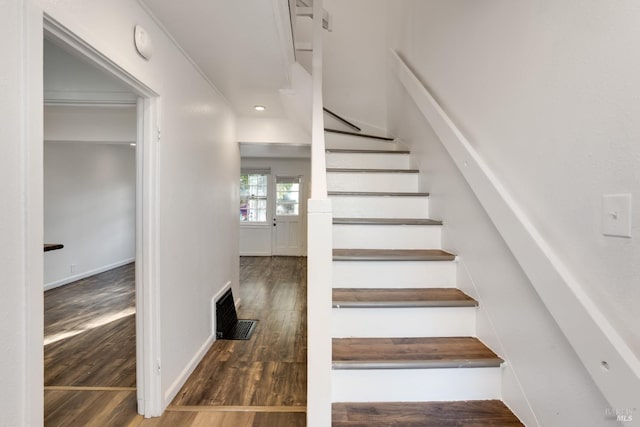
(270, 130)
(90, 124)
(90, 207)
(257, 239)
(67, 78)
(197, 190)
(545, 93)
(354, 65)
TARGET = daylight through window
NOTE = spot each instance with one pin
(253, 197)
(287, 196)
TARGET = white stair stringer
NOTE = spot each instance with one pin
(398, 322)
(416, 385)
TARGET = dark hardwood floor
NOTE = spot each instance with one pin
(90, 331)
(269, 370)
(89, 353)
(259, 382)
(482, 413)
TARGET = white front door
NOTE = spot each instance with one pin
(287, 238)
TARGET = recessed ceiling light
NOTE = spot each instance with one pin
(133, 144)
(259, 107)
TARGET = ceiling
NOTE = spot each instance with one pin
(239, 45)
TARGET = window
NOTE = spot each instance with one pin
(253, 197)
(287, 196)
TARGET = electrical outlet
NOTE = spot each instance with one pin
(616, 215)
(72, 268)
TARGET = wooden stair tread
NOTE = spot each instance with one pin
(401, 297)
(426, 414)
(362, 135)
(355, 170)
(386, 221)
(412, 353)
(392, 255)
(365, 151)
(376, 194)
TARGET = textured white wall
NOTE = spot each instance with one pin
(90, 207)
(545, 91)
(198, 173)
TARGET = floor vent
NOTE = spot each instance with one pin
(228, 327)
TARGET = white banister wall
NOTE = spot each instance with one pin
(610, 362)
(319, 253)
(318, 167)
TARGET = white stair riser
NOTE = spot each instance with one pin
(333, 140)
(415, 385)
(403, 322)
(368, 160)
(380, 207)
(363, 181)
(348, 236)
(394, 274)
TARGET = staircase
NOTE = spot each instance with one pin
(404, 345)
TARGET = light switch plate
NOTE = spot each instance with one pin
(616, 215)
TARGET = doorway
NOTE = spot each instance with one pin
(287, 224)
(273, 202)
(143, 103)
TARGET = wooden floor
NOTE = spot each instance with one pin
(262, 381)
(89, 353)
(259, 382)
(481, 413)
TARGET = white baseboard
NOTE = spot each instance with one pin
(175, 387)
(255, 254)
(79, 276)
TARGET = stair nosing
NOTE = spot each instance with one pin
(387, 221)
(356, 170)
(365, 151)
(400, 298)
(374, 194)
(493, 362)
(392, 255)
(405, 304)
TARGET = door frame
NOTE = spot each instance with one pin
(148, 386)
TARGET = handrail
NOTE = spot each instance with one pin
(609, 360)
(319, 253)
(363, 135)
(341, 119)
